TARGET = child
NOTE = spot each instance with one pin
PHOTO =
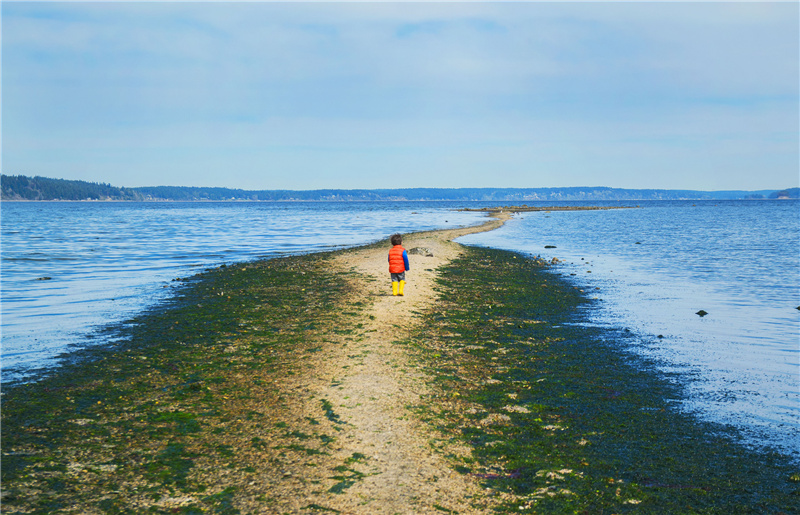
(398, 264)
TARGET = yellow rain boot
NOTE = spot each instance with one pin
(402, 284)
(394, 288)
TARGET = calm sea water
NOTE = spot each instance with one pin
(655, 267)
(70, 267)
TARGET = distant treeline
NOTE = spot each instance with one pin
(20, 187)
(788, 193)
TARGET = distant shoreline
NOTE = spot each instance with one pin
(486, 209)
(20, 187)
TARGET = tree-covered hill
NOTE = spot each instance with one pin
(19, 187)
(787, 193)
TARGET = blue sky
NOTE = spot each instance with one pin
(388, 95)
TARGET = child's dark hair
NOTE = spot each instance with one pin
(396, 239)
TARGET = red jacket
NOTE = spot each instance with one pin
(398, 260)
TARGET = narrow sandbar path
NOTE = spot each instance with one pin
(368, 382)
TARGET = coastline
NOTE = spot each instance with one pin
(301, 385)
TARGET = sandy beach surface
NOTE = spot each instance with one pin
(391, 463)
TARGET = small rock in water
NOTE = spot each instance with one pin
(50, 278)
(549, 246)
(702, 313)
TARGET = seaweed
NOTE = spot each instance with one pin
(190, 390)
(563, 417)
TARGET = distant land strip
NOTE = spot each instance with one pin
(21, 187)
(526, 208)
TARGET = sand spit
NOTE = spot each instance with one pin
(526, 209)
(370, 383)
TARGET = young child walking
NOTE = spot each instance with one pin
(398, 264)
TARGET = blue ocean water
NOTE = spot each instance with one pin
(68, 268)
(653, 268)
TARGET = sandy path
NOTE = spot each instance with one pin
(370, 381)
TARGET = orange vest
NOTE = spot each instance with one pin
(396, 263)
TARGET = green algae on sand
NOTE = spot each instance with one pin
(561, 416)
(188, 411)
